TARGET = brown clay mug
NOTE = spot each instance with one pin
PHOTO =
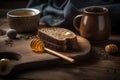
(94, 24)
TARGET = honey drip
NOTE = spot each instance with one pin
(37, 45)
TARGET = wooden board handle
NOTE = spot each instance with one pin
(59, 55)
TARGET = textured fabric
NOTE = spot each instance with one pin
(62, 12)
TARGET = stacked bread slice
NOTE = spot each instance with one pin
(59, 39)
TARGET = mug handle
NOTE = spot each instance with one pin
(76, 22)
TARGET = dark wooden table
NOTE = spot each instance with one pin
(98, 66)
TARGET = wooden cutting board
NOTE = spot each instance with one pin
(22, 57)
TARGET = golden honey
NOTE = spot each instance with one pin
(37, 45)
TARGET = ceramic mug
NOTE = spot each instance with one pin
(24, 19)
(94, 24)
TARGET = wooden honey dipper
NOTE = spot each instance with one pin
(38, 46)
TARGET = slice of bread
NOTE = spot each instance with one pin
(60, 37)
(54, 46)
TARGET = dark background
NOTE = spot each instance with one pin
(8, 4)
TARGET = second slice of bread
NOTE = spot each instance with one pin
(61, 37)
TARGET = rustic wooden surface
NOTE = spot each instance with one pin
(99, 66)
(27, 56)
